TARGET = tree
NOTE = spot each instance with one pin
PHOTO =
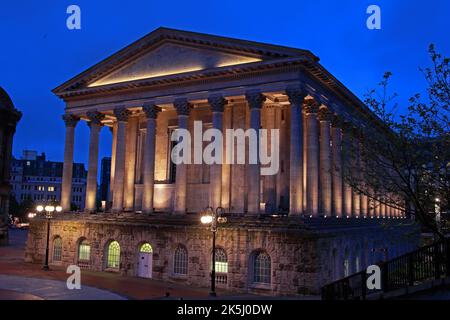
(405, 162)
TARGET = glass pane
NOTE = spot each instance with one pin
(262, 268)
(84, 251)
(57, 249)
(146, 247)
(113, 255)
(180, 261)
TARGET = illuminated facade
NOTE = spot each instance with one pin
(168, 80)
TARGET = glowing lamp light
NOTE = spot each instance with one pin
(58, 208)
(49, 208)
(40, 208)
(206, 219)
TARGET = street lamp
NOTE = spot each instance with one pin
(212, 217)
(48, 215)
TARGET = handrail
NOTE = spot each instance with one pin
(424, 264)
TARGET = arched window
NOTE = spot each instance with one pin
(357, 259)
(84, 251)
(346, 263)
(221, 266)
(113, 255)
(180, 261)
(261, 268)
(146, 248)
(57, 249)
(334, 264)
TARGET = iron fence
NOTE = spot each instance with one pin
(425, 264)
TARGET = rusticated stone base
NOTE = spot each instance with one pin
(304, 254)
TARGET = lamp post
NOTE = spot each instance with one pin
(48, 215)
(213, 217)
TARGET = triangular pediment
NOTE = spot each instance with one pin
(169, 52)
(173, 58)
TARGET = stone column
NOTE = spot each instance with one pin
(336, 136)
(364, 182)
(183, 109)
(305, 158)
(371, 206)
(364, 206)
(255, 101)
(66, 190)
(377, 207)
(346, 166)
(312, 147)
(122, 115)
(113, 161)
(95, 125)
(130, 163)
(356, 136)
(217, 103)
(151, 111)
(325, 117)
(269, 122)
(296, 97)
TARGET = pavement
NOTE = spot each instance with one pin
(20, 280)
(27, 288)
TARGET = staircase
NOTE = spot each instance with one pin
(423, 268)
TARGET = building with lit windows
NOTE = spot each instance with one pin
(285, 234)
(34, 178)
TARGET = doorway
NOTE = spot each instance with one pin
(145, 264)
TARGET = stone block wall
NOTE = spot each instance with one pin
(301, 260)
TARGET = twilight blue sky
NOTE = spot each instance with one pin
(38, 52)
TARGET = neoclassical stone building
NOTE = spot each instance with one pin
(287, 233)
(9, 116)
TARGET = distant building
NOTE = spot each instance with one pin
(37, 179)
(105, 177)
(9, 116)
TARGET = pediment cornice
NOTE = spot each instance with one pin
(164, 35)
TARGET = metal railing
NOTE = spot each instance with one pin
(425, 264)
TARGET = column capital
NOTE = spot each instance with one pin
(336, 121)
(347, 126)
(95, 117)
(217, 102)
(255, 99)
(70, 120)
(357, 133)
(325, 114)
(311, 106)
(182, 106)
(121, 113)
(151, 110)
(296, 95)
